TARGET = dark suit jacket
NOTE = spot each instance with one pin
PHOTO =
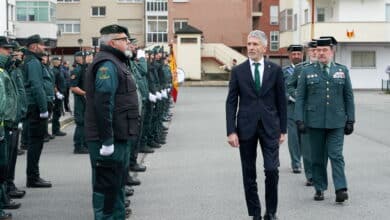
(267, 106)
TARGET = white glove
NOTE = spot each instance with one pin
(107, 150)
(44, 115)
(169, 89)
(152, 97)
(158, 94)
(164, 93)
(20, 126)
(59, 96)
(291, 98)
(140, 54)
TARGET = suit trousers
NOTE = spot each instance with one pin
(248, 152)
(327, 143)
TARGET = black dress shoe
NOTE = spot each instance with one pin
(20, 152)
(138, 168)
(270, 217)
(296, 170)
(52, 136)
(60, 133)
(341, 195)
(129, 191)
(146, 150)
(154, 145)
(46, 138)
(128, 212)
(319, 196)
(161, 141)
(23, 146)
(256, 217)
(127, 203)
(5, 216)
(309, 182)
(82, 150)
(38, 183)
(9, 204)
(132, 181)
(16, 193)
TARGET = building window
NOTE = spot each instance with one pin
(180, 1)
(157, 29)
(157, 5)
(274, 41)
(320, 14)
(130, 1)
(274, 15)
(68, 1)
(286, 20)
(188, 40)
(43, 11)
(179, 24)
(363, 59)
(69, 27)
(306, 16)
(95, 42)
(295, 26)
(99, 11)
(388, 12)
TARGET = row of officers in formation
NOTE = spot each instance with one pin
(320, 111)
(122, 106)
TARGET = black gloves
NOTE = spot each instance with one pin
(348, 129)
(301, 127)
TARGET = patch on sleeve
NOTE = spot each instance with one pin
(103, 73)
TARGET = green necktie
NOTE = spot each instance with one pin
(325, 69)
(257, 76)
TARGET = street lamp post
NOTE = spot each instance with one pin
(80, 42)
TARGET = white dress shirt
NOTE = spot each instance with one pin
(261, 69)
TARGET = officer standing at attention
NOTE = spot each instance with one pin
(59, 89)
(37, 112)
(325, 109)
(296, 57)
(77, 87)
(111, 121)
(48, 83)
(7, 114)
(292, 84)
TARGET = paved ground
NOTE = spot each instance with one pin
(197, 176)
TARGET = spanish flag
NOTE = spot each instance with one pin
(173, 67)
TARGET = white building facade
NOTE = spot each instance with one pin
(36, 17)
(362, 29)
(7, 18)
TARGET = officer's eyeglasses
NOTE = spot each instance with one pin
(122, 38)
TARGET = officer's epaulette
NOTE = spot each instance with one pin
(340, 65)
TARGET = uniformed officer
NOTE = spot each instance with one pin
(77, 87)
(111, 121)
(37, 111)
(49, 84)
(59, 89)
(16, 74)
(7, 115)
(296, 56)
(325, 109)
(292, 84)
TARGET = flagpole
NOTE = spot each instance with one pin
(312, 19)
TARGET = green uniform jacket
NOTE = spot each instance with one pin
(142, 85)
(152, 78)
(49, 83)
(324, 100)
(77, 76)
(167, 76)
(34, 81)
(292, 81)
(59, 79)
(17, 77)
(11, 102)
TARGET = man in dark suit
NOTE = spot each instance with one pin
(258, 86)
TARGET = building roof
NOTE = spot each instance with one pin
(188, 29)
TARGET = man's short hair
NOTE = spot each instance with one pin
(259, 35)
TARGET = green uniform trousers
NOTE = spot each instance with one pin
(57, 111)
(108, 180)
(327, 143)
(3, 171)
(293, 140)
(306, 155)
(79, 110)
(146, 124)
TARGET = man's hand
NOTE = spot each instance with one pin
(44, 115)
(282, 138)
(301, 127)
(233, 140)
(348, 129)
(107, 150)
(152, 98)
(59, 96)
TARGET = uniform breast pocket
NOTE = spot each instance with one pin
(313, 85)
